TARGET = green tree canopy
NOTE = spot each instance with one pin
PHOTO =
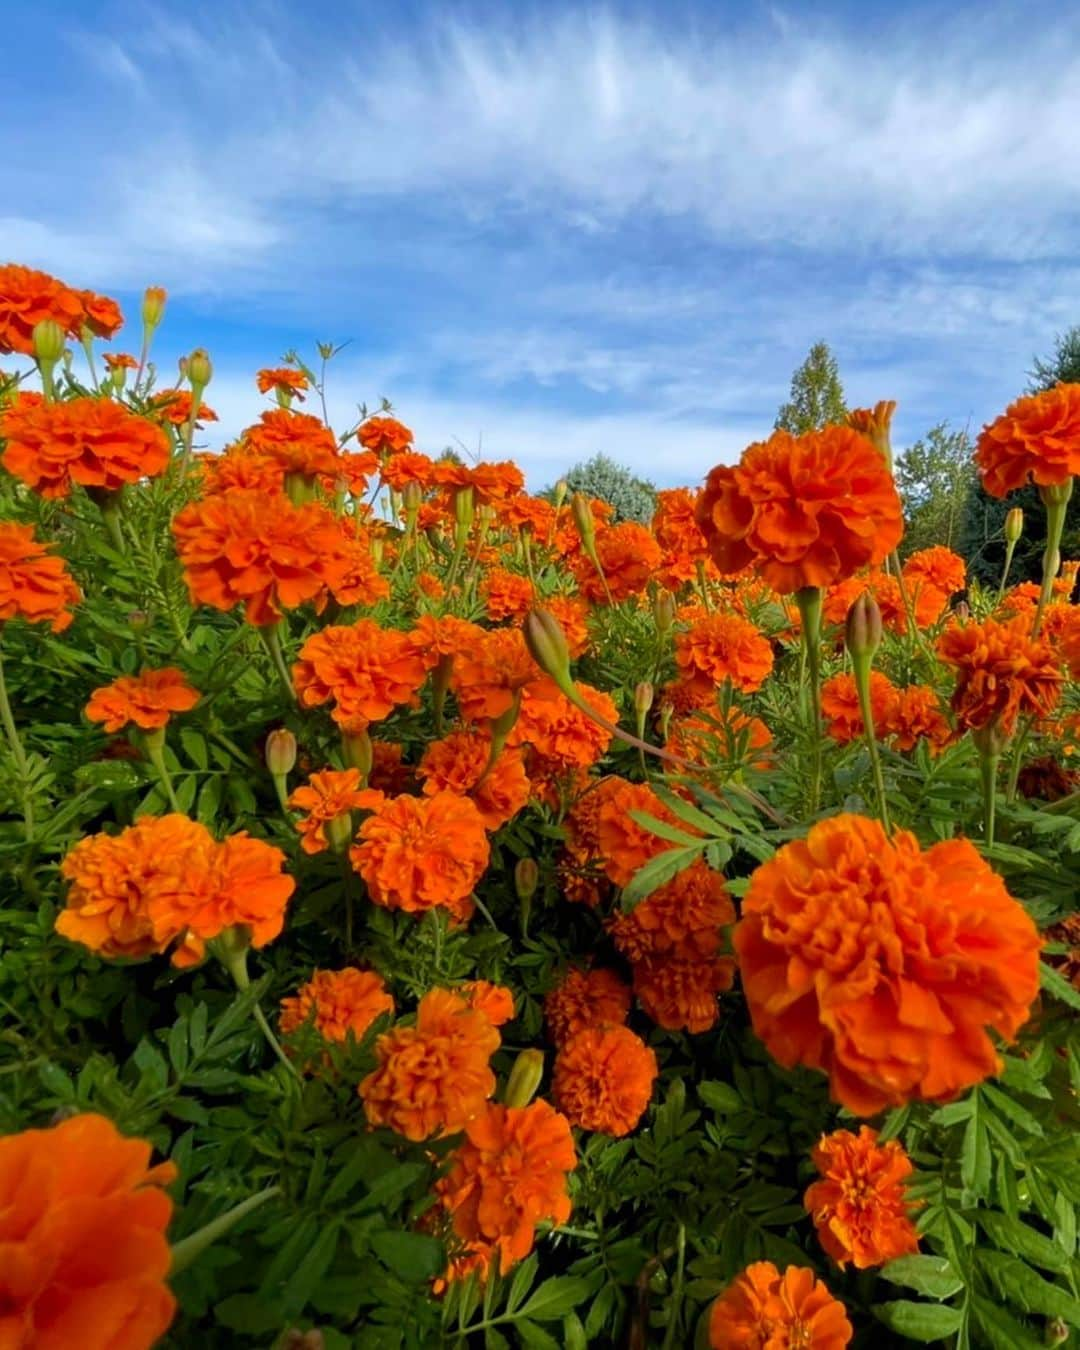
(817, 396)
(630, 497)
(934, 477)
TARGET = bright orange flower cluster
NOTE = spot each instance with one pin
(93, 442)
(434, 1077)
(625, 845)
(506, 595)
(603, 1079)
(804, 510)
(296, 441)
(629, 557)
(495, 1001)
(83, 1253)
(326, 797)
(585, 998)
(459, 764)
(488, 674)
(282, 379)
(384, 435)
(147, 701)
(764, 1310)
(338, 1003)
(101, 315)
(174, 407)
(721, 647)
(561, 735)
(884, 965)
(1035, 440)
(366, 670)
(840, 706)
(27, 298)
(35, 584)
(860, 1206)
(1002, 673)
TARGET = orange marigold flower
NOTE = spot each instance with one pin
(915, 714)
(764, 1310)
(675, 525)
(100, 314)
(408, 467)
(174, 406)
(680, 990)
(875, 424)
(495, 1001)
(506, 595)
(94, 442)
(351, 571)
(1002, 673)
(928, 602)
(884, 965)
(459, 763)
(722, 646)
(120, 361)
(430, 584)
(28, 298)
(384, 435)
(34, 584)
(418, 852)
(508, 1175)
(447, 636)
(572, 615)
(842, 595)
(285, 378)
(434, 1077)
(603, 1079)
(239, 468)
(148, 700)
(354, 469)
(805, 510)
(585, 998)
(629, 556)
(936, 566)
(558, 730)
(1035, 440)
(85, 1258)
(1068, 639)
(337, 1003)
(625, 845)
(114, 881)
(365, 669)
(859, 1207)
(840, 706)
(488, 674)
(530, 515)
(493, 481)
(327, 796)
(685, 916)
(297, 441)
(389, 773)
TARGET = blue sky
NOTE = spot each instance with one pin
(552, 229)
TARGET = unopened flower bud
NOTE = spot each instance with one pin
(583, 518)
(1056, 1332)
(281, 751)
(524, 1078)
(464, 508)
(200, 371)
(962, 610)
(562, 487)
(526, 878)
(664, 611)
(49, 341)
(153, 307)
(138, 621)
(339, 832)
(1014, 525)
(643, 698)
(295, 1339)
(412, 497)
(547, 645)
(359, 752)
(862, 633)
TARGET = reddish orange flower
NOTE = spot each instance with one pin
(875, 424)
(337, 1003)
(100, 314)
(384, 435)
(449, 636)
(675, 525)
(603, 1079)
(459, 763)
(508, 1175)
(530, 515)
(283, 379)
(1002, 673)
(629, 556)
(506, 595)
(297, 441)
(1035, 440)
(85, 1258)
(884, 965)
(860, 1206)
(434, 1077)
(722, 646)
(490, 672)
(406, 467)
(354, 469)
(842, 595)
(120, 361)
(840, 706)
(764, 1310)
(418, 852)
(585, 998)
(366, 670)
(558, 730)
(388, 772)
(805, 510)
(328, 796)
(494, 481)
(680, 992)
(625, 845)
(28, 298)
(572, 615)
(914, 715)
(34, 584)
(90, 441)
(938, 567)
(495, 1001)
(351, 571)
(148, 700)
(685, 916)
(174, 406)
(238, 468)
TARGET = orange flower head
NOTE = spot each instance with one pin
(355, 469)
(459, 764)
(629, 556)
(239, 468)
(284, 378)
(883, 965)
(366, 670)
(680, 990)
(28, 298)
(327, 796)
(90, 441)
(938, 567)
(82, 1236)
(449, 636)
(572, 615)
(297, 441)
(418, 852)
(494, 481)
(603, 1079)
(409, 466)
(860, 1207)
(1035, 440)
(101, 315)
(174, 406)
(626, 846)
(558, 730)
(495, 1001)
(351, 571)
(914, 715)
(684, 917)
(506, 595)
(384, 435)
(148, 700)
(675, 525)
(585, 998)
(722, 646)
(487, 676)
(434, 1077)
(509, 1175)
(876, 425)
(119, 361)
(805, 510)
(35, 584)
(1002, 673)
(530, 515)
(338, 1003)
(840, 706)
(764, 1310)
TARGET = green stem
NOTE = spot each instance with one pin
(862, 685)
(192, 1247)
(988, 767)
(154, 745)
(270, 635)
(18, 754)
(1018, 759)
(809, 603)
(1056, 500)
(675, 1301)
(88, 347)
(234, 959)
(1010, 549)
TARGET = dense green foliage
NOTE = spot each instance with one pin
(817, 396)
(630, 497)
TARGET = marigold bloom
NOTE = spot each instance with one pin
(625, 845)
(148, 700)
(384, 435)
(1002, 673)
(1035, 440)
(409, 466)
(389, 773)
(495, 1001)
(585, 998)
(680, 990)
(722, 646)
(859, 1206)
(119, 361)
(495, 480)
(285, 378)
(572, 616)
(508, 1175)
(915, 714)
(805, 510)
(27, 298)
(875, 424)
(684, 916)
(82, 1238)
(506, 595)
(487, 675)
(418, 852)
(629, 556)
(35, 584)
(326, 797)
(366, 670)
(434, 1077)
(764, 1310)
(352, 574)
(239, 468)
(459, 763)
(297, 441)
(558, 730)
(937, 566)
(94, 442)
(675, 526)
(840, 706)
(100, 314)
(174, 406)
(603, 1079)
(337, 1002)
(884, 965)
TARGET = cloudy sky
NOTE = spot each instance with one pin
(551, 229)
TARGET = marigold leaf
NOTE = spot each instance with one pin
(924, 1322)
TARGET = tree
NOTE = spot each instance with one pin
(817, 396)
(630, 497)
(982, 538)
(934, 477)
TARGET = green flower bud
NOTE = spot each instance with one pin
(862, 634)
(339, 832)
(643, 698)
(526, 878)
(664, 611)
(524, 1078)
(547, 645)
(199, 369)
(153, 307)
(1014, 525)
(583, 518)
(49, 341)
(281, 752)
